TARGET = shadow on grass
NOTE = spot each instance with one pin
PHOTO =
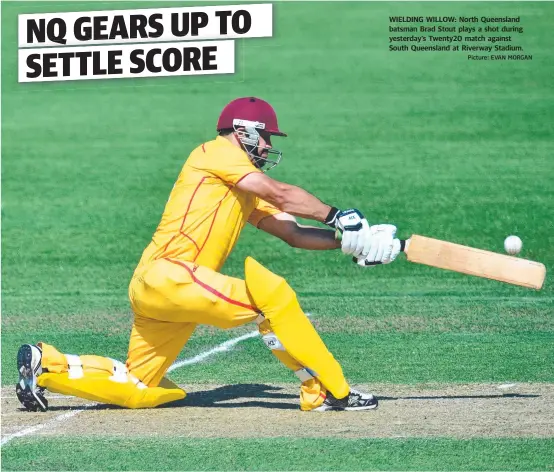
(96, 407)
(254, 395)
(212, 398)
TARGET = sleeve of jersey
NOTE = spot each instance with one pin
(263, 210)
(232, 167)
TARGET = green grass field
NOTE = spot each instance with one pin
(411, 454)
(436, 144)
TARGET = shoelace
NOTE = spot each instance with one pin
(354, 399)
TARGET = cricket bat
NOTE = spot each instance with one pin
(468, 260)
(472, 261)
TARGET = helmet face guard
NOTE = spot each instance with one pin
(249, 138)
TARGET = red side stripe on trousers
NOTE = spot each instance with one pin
(211, 289)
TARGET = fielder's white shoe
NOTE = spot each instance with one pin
(30, 395)
(354, 401)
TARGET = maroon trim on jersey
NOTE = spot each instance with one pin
(253, 172)
(212, 224)
(185, 217)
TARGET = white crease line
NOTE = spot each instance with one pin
(508, 385)
(38, 427)
(227, 345)
(53, 397)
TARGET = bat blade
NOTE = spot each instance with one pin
(468, 260)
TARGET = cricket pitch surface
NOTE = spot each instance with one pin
(262, 410)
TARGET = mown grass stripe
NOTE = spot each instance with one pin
(279, 454)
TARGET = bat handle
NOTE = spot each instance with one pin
(403, 245)
(403, 248)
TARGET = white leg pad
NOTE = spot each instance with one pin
(119, 372)
(137, 382)
(74, 366)
(272, 342)
(305, 374)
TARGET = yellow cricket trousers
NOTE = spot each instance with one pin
(169, 298)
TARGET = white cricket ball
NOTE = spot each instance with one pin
(512, 245)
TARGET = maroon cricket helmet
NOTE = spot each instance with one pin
(250, 109)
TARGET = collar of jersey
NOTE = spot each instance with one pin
(224, 142)
(221, 141)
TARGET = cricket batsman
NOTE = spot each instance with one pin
(177, 284)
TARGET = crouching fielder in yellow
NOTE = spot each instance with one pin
(177, 284)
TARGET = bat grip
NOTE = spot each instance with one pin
(402, 248)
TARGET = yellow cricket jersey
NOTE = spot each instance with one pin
(205, 212)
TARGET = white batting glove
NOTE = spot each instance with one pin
(355, 231)
(384, 246)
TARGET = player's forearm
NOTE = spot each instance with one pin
(309, 237)
(298, 202)
(287, 198)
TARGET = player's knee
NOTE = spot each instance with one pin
(140, 400)
(153, 397)
(136, 403)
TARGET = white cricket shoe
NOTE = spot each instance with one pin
(29, 365)
(354, 401)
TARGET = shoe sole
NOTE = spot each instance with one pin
(352, 408)
(25, 389)
(361, 408)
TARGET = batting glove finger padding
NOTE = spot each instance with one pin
(383, 247)
(396, 248)
(381, 243)
(363, 242)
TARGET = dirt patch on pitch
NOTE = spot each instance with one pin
(259, 410)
